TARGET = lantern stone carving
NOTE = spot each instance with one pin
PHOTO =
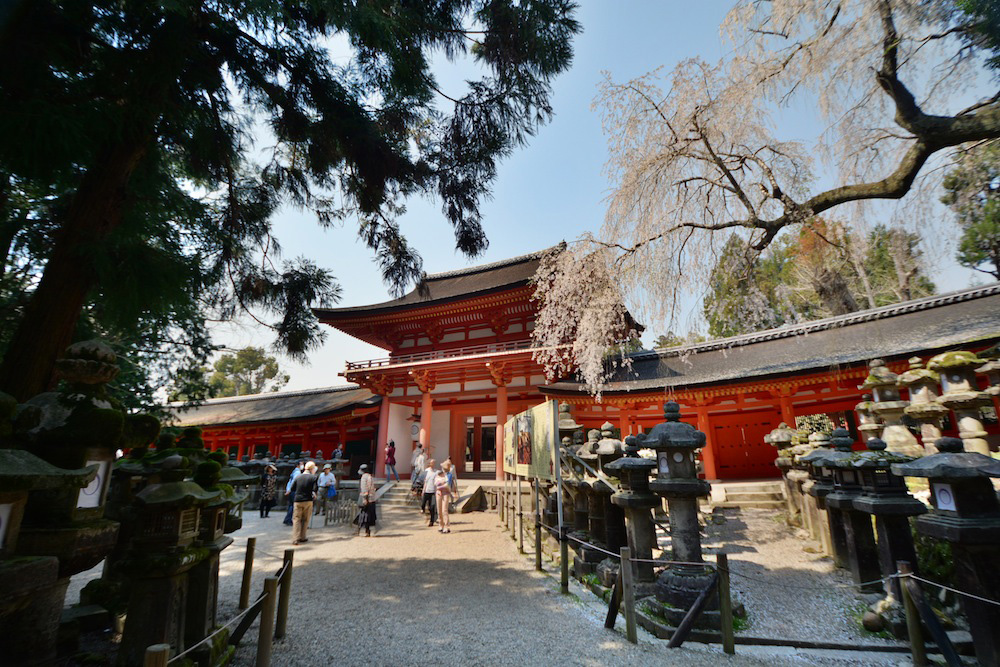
(888, 406)
(924, 386)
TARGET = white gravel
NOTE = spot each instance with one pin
(413, 596)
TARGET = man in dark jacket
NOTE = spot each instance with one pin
(304, 492)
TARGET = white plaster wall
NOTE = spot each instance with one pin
(453, 336)
(451, 386)
(480, 333)
(440, 427)
(399, 432)
(478, 384)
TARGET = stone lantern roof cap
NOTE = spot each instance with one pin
(176, 493)
(234, 476)
(951, 461)
(875, 456)
(630, 463)
(781, 435)
(23, 471)
(879, 375)
(990, 366)
(954, 359)
(672, 433)
(918, 374)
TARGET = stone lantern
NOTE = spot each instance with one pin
(966, 513)
(862, 554)
(884, 495)
(961, 395)
(164, 550)
(588, 508)
(868, 424)
(781, 439)
(924, 408)
(611, 517)
(567, 425)
(820, 485)
(676, 445)
(887, 404)
(637, 502)
(31, 588)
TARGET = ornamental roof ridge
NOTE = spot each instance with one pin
(469, 270)
(857, 317)
(262, 397)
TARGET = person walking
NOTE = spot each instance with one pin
(303, 494)
(429, 491)
(390, 461)
(445, 494)
(367, 516)
(417, 461)
(268, 490)
(288, 492)
(326, 480)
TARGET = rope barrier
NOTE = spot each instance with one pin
(948, 588)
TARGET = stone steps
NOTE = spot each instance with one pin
(752, 495)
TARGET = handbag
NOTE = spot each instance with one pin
(331, 491)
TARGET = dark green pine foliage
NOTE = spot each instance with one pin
(130, 188)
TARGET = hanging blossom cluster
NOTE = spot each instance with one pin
(582, 321)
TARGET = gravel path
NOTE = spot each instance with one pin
(413, 596)
(789, 592)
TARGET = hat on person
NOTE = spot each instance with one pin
(327, 466)
(271, 467)
(363, 467)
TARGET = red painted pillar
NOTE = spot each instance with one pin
(708, 453)
(623, 422)
(501, 419)
(426, 405)
(242, 450)
(272, 445)
(456, 441)
(382, 437)
(787, 411)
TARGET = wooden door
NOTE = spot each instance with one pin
(741, 452)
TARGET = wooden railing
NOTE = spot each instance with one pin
(452, 353)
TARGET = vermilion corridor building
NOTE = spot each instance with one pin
(459, 361)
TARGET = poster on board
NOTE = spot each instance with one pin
(530, 442)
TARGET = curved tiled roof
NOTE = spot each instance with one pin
(903, 329)
(450, 286)
(275, 406)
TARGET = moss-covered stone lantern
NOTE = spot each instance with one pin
(966, 513)
(781, 439)
(962, 396)
(611, 516)
(165, 547)
(887, 405)
(676, 445)
(635, 499)
(868, 424)
(862, 554)
(832, 535)
(884, 496)
(32, 591)
(924, 386)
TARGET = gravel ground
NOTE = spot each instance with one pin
(411, 595)
(789, 593)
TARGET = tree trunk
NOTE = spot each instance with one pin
(834, 293)
(51, 316)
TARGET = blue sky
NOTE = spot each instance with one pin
(549, 191)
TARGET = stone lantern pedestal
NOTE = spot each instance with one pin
(781, 439)
(966, 513)
(637, 502)
(818, 487)
(678, 586)
(884, 496)
(862, 553)
(961, 395)
(924, 407)
(31, 588)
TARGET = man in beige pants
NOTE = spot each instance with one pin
(304, 491)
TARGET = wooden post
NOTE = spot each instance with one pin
(917, 648)
(247, 573)
(286, 590)
(157, 655)
(563, 561)
(628, 595)
(265, 634)
(520, 520)
(614, 603)
(538, 531)
(725, 605)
